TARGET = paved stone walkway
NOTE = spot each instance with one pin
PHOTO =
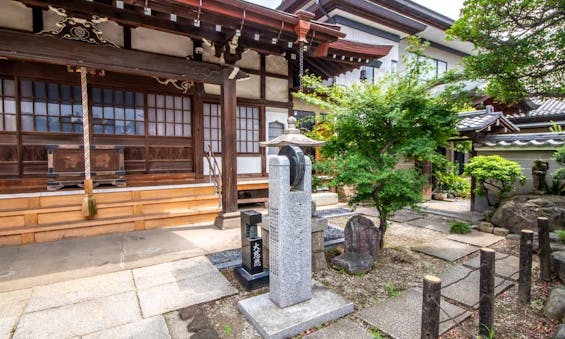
(122, 304)
(446, 249)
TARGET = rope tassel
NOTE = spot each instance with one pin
(88, 201)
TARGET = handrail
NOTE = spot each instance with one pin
(214, 172)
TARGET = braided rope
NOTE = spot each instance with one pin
(85, 124)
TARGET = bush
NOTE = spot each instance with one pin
(561, 236)
(496, 174)
(445, 179)
(557, 186)
(460, 227)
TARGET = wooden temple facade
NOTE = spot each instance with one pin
(165, 84)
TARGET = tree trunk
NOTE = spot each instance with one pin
(383, 226)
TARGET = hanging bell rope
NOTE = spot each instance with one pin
(88, 201)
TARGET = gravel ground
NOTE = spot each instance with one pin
(397, 268)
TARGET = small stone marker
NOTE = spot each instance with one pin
(251, 274)
(292, 304)
(362, 239)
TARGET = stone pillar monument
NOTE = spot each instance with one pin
(293, 304)
(290, 236)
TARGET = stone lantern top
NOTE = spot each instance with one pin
(292, 136)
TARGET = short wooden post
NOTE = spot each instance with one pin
(544, 249)
(430, 307)
(525, 278)
(486, 295)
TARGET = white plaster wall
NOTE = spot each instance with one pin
(276, 89)
(276, 64)
(214, 89)
(14, 14)
(245, 165)
(274, 114)
(150, 40)
(364, 37)
(453, 61)
(249, 59)
(249, 88)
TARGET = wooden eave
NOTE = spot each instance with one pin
(36, 48)
(417, 12)
(229, 14)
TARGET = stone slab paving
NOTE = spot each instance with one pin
(400, 317)
(466, 291)
(446, 249)
(431, 223)
(74, 291)
(475, 238)
(405, 215)
(151, 328)
(81, 318)
(506, 266)
(170, 286)
(343, 328)
(11, 307)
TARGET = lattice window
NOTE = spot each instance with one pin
(212, 127)
(117, 112)
(50, 107)
(169, 115)
(7, 105)
(247, 129)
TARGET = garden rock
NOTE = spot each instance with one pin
(521, 212)
(362, 239)
(558, 260)
(501, 231)
(486, 227)
(560, 334)
(555, 304)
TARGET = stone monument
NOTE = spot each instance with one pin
(293, 304)
(539, 171)
(251, 273)
(362, 239)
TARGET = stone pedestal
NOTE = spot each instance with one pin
(227, 220)
(319, 225)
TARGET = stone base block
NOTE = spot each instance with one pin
(325, 198)
(354, 262)
(228, 220)
(274, 322)
(252, 281)
(319, 262)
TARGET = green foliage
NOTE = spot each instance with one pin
(228, 329)
(391, 291)
(519, 43)
(460, 227)
(494, 173)
(376, 333)
(557, 184)
(555, 127)
(561, 236)
(378, 125)
(445, 179)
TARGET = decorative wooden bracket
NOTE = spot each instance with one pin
(78, 29)
(183, 86)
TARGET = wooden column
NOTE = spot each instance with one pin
(229, 141)
(198, 132)
(262, 116)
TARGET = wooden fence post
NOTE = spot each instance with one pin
(544, 249)
(486, 295)
(525, 278)
(430, 307)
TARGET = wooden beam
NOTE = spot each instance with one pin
(29, 47)
(198, 133)
(229, 141)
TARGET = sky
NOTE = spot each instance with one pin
(449, 8)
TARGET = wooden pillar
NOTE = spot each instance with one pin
(473, 181)
(263, 115)
(198, 132)
(525, 275)
(229, 141)
(486, 292)
(431, 307)
(544, 249)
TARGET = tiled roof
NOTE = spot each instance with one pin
(545, 108)
(478, 121)
(523, 140)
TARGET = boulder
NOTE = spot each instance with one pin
(521, 212)
(362, 245)
(558, 261)
(555, 304)
(501, 231)
(560, 333)
(486, 227)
